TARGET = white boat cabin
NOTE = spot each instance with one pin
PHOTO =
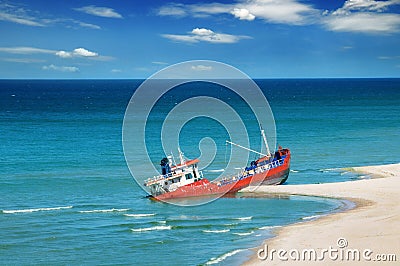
(174, 176)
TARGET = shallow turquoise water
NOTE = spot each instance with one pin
(67, 196)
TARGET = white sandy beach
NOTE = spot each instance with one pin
(372, 229)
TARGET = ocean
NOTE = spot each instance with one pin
(68, 197)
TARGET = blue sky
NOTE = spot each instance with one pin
(264, 38)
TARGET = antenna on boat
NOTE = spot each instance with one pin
(181, 157)
(265, 140)
(173, 158)
(240, 146)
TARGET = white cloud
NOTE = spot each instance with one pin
(384, 57)
(201, 68)
(180, 38)
(116, 70)
(275, 11)
(142, 69)
(364, 22)
(365, 5)
(177, 10)
(78, 52)
(99, 11)
(363, 16)
(64, 54)
(87, 25)
(242, 14)
(19, 15)
(159, 63)
(201, 10)
(388, 57)
(61, 68)
(101, 58)
(347, 47)
(205, 35)
(23, 60)
(280, 11)
(202, 31)
(85, 53)
(25, 50)
(20, 19)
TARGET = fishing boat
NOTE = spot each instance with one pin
(184, 180)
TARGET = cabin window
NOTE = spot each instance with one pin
(188, 176)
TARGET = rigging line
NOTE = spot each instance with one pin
(226, 150)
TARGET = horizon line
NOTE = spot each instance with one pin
(257, 78)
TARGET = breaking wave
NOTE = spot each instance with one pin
(312, 217)
(248, 218)
(139, 215)
(36, 210)
(215, 171)
(244, 234)
(106, 210)
(326, 170)
(154, 228)
(231, 224)
(269, 227)
(223, 257)
(217, 231)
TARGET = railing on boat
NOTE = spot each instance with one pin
(166, 177)
(159, 178)
(244, 174)
(225, 180)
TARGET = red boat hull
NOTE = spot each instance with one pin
(274, 176)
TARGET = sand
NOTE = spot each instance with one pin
(371, 229)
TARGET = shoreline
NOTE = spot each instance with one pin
(370, 225)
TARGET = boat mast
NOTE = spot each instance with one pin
(265, 141)
(240, 146)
